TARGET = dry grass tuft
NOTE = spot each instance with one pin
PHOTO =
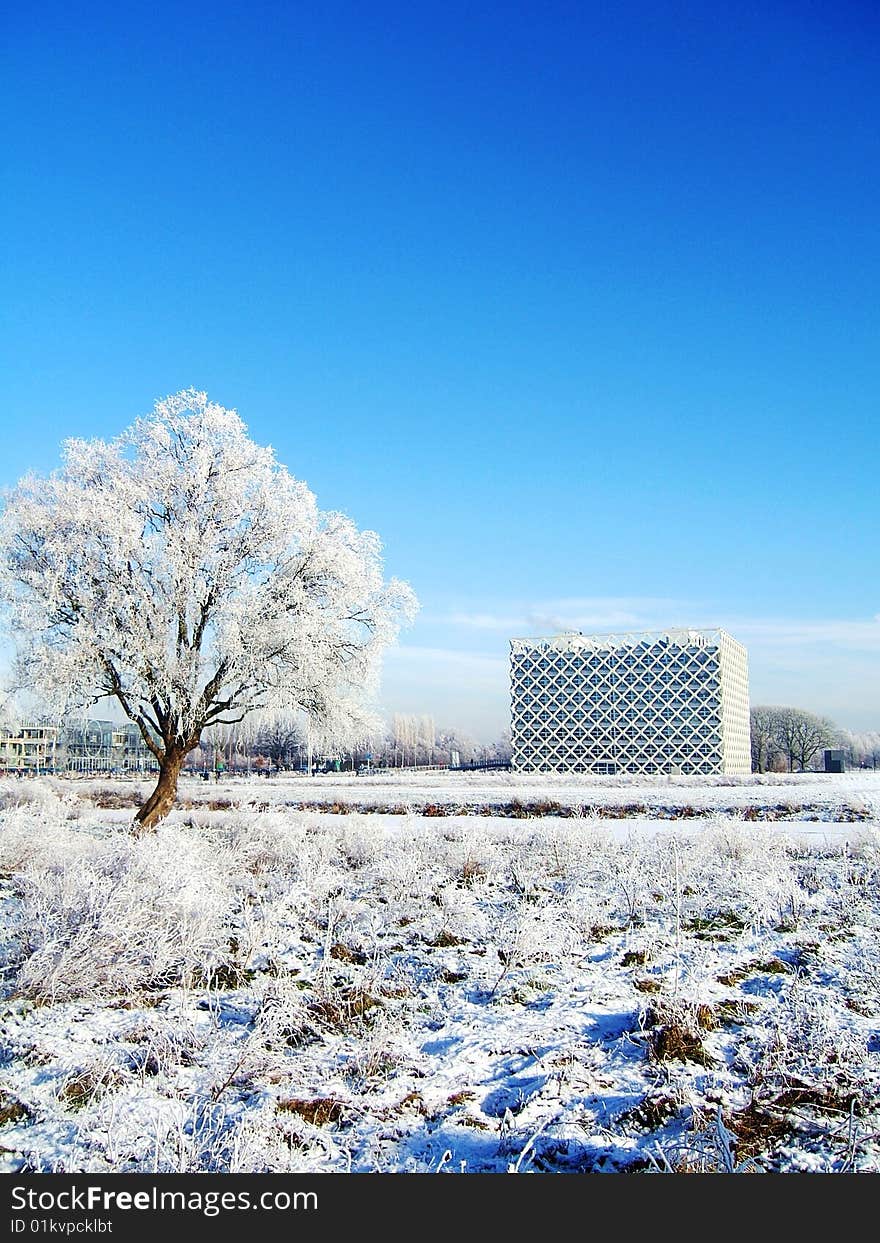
(653, 1111)
(647, 985)
(676, 1033)
(471, 871)
(85, 1086)
(672, 1042)
(635, 958)
(112, 798)
(769, 966)
(344, 953)
(413, 1101)
(446, 940)
(319, 1111)
(344, 1007)
(757, 1131)
(12, 1110)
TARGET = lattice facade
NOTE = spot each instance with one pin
(672, 701)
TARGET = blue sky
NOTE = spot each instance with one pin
(575, 304)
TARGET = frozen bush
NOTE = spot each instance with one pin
(128, 916)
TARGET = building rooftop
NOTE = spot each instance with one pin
(680, 636)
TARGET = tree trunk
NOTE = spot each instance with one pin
(162, 799)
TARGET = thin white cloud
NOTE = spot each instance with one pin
(596, 613)
(858, 635)
(484, 621)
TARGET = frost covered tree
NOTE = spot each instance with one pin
(404, 732)
(801, 735)
(451, 742)
(862, 749)
(181, 569)
(280, 741)
(789, 735)
(764, 728)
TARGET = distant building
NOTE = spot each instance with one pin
(672, 701)
(106, 746)
(81, 746)
(30, 749)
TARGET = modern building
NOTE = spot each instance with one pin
(671, 701)
(106, 746)
(30, 749)
(81, 746)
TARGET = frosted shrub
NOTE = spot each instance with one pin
(360, 842)
(863, 980)
(197, 1139)
(525, 936)
(42, 795)
(351, 920)
(408, 864)
(267, 1142)
(161, 1045)
(633, 880)
(583, 910)
(320, 868)
(264, 929)
(39, 835)
(377, 1056)
(863, 858)
(277, 858)
(679, 880)
(806, 1049)
(746, 869)
(473, 859)
(529, 869)
(271, 1142)
(134, 916)
(457, 912)
(283, 1018)
(566, 849)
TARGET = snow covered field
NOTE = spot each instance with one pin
(477, 791)
(488, 971)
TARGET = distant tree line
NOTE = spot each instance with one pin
(862, 750)
(274, 746)
(788, 739)
(283, 745)
(415, 740)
